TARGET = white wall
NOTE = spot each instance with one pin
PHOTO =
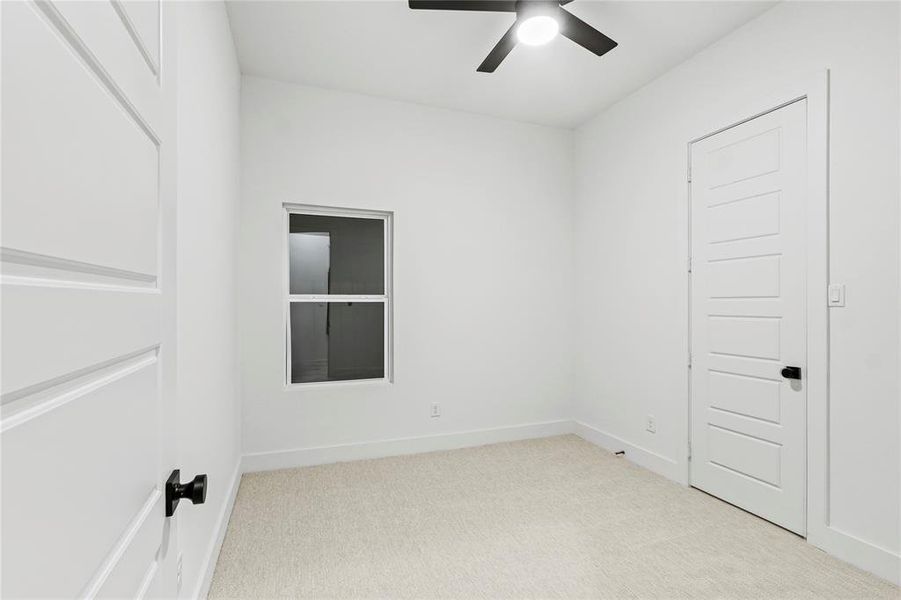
(631, 248)
(483, 267)
(208, 383)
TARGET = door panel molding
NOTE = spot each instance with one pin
(35, 401)
(136, 36)
(42, 266)
(123, 544)
(62, 25)
(56, 322)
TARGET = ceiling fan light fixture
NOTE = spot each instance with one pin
(537, 22)
(537, 30)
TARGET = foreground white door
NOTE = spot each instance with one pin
(87, 298)
(748, 322)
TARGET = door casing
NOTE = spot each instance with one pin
(815, 89)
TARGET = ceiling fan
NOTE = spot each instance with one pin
(537, 22)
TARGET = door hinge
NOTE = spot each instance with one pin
(689, 361)
(689, 264)
(689, 450)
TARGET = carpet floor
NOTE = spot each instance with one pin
(549, 518)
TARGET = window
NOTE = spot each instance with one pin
(338, 295)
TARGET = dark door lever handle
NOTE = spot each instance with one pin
(195, 491)
(791, 372)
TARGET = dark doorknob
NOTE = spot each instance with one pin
(791, 372)
(195, 491)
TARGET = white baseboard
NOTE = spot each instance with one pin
(212, 555)
(302, 457)
(640, 456)
(863, 555)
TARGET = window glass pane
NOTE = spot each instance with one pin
(336, 255)
(337, 341)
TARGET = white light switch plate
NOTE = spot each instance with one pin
(836, 294)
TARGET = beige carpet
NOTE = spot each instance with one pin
(550, 518)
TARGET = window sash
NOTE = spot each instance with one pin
(386, 298)
(335, 298)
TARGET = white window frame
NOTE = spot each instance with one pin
(387, 298)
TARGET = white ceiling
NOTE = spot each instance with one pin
(383, 48)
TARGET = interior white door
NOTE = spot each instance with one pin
(748, 316)
(87, 298)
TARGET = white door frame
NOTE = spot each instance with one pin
(815, 89)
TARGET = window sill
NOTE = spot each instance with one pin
(293, 387)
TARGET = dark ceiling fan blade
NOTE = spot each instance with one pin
(562, 2)
(479, 5)
(584, 34)
(499, 52)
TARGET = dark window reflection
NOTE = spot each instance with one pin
(336, 255)
(335, 341)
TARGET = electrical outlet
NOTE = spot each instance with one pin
(651, 425)
(179, 564)
(436, 410)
